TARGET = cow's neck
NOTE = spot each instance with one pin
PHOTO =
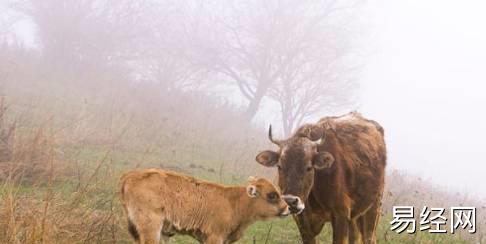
(242, 212)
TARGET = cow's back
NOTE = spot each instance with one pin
(358, 147)
(355, 139)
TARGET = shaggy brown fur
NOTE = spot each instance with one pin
(340, 179)
(161, 203)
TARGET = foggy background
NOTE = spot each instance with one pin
(426, 85)
(416, 67)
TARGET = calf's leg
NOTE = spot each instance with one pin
(214, 240)
(149, 227)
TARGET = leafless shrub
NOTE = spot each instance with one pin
(6, 134)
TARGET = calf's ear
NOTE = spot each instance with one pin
(267, 158)
(323, 160)
(252, 179)
(251, 190)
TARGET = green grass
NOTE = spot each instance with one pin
(279, 231)
(284, 231)
(101, 188)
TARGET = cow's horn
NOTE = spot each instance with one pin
(277, 142)
(322, 139)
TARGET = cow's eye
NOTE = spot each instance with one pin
(272, 196)
(309, 168)
(279, 167)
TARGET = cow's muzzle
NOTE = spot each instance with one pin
(296, 206)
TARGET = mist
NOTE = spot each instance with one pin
(425, 83)
(92, 88)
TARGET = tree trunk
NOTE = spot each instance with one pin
(287, 106)
(255, 102)
(253, 107)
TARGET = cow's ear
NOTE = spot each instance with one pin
(251, 190)
(323, 160)
(267, 158)
(311, 131)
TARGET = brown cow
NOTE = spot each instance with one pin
(332, 171)
(159, 202)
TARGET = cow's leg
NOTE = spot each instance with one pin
(354, 231)
(310, 225)
(369, 222)
(340, 229)
(361, 225)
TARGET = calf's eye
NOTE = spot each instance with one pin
(272, 197)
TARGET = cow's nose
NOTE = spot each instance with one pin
(291, 200)
(295, 203)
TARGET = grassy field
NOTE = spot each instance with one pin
(65, 210)
(59, 179)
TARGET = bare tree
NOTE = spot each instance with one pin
(9, 42)
(7, 20)
(317, 70)
(293, 52)
(162, 58)
(264, 46)
(235, 42)
(303, 97)
(79, 37)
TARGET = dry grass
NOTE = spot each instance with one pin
(34, 207)
(58, 182)
(407, 190)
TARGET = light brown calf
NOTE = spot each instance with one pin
(162, 203)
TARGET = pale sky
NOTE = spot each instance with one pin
(425, 83)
